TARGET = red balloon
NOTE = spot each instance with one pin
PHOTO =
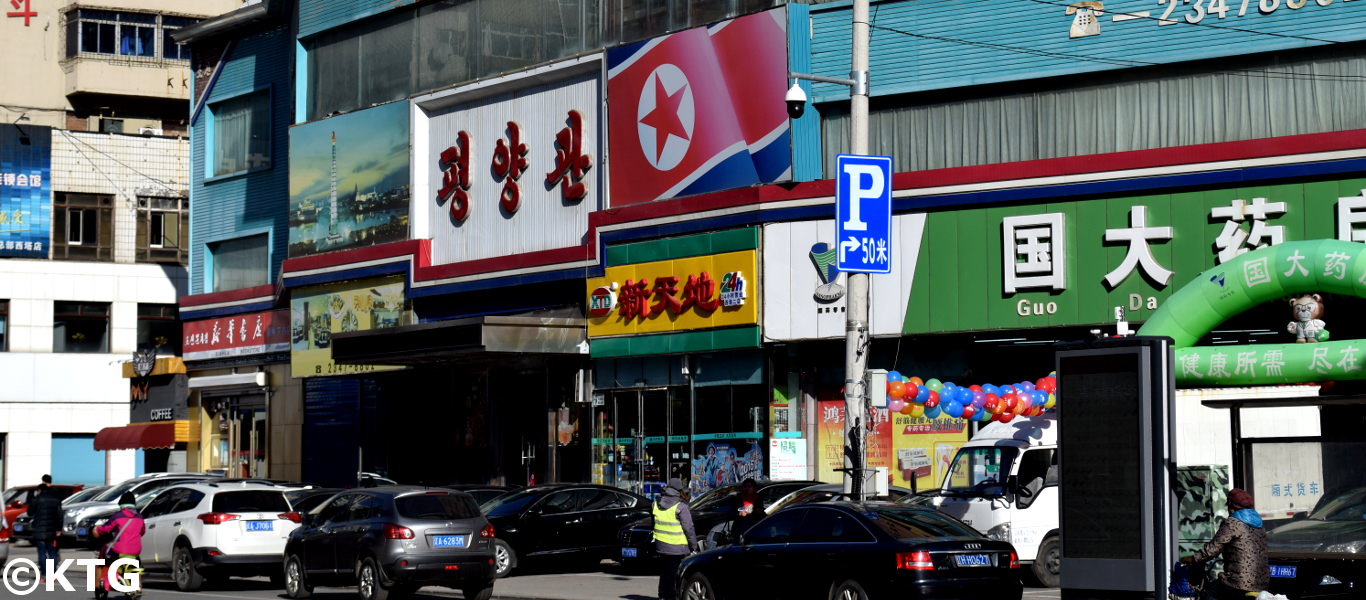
(912, 390)
(896, 389)
(1005, 416)
(991, 403)
(933, 400)
(968, 411)
(974, 387)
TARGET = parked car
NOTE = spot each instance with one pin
(108, 500)
(710, 511)
(855, 551)
(1322, 553)
(390, 540)
(580, 520)
(85, 528)
(483, 492)
(305, 500)
(210, 530)
(826, 492)
(16, 503)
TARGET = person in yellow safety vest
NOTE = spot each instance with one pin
(674, 535)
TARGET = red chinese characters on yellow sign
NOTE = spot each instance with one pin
(671, 295)
(509, 162)
(22, 10)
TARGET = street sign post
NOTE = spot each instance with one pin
(863, 213)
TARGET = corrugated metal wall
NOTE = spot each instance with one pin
(918, 46)
(252, 201)
(320, 15)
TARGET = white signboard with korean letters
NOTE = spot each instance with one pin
(804, 294)
(508, 169)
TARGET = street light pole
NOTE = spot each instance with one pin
(856, 315)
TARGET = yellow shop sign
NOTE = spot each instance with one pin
(699, 292)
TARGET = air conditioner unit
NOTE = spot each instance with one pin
(149, 131)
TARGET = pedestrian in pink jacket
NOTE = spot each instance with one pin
(127, 528)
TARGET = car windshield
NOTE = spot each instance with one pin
(720, 498)
(250, 501)
(84, 495)
(905, 523)
(1347, 507)
(980, 471)
(436, 506)
(13, 494)
(510, 504)
(114, 492)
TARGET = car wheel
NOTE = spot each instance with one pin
(848, 590)
(368, 581)
(698, 587)
(295, 584)
(1047, 565)
(479, 592)
(187, 578)
(504, 559)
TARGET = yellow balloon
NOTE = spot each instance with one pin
(917, 410)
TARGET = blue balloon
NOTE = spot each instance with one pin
(894, 376)
(932, 413)
(954, 409)
(922, 395)
(980, 415)
(991, 389)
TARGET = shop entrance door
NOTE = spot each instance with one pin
(648, 432)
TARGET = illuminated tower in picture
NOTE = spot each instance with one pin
(332, 236)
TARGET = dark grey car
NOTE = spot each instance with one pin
(388, 541)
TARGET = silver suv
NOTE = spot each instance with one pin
(108, 500)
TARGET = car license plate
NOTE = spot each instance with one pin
(82, 532)
(448, 541)
(1282, 571)
(18, 528)
(260, 525)
(628, 552)
(972, 560)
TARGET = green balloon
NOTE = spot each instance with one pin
(934, 385)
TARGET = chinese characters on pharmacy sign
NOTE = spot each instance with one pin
(673, 295)
(240, 335)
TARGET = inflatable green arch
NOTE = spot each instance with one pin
(1269, 274)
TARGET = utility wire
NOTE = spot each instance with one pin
(169, 186)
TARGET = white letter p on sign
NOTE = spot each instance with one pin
(857, 191)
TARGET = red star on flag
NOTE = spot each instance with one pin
(664, 117)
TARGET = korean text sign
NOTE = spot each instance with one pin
(717, 290)
(25, 190)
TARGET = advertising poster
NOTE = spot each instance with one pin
(693, 111)
(725, 463)
(787, 457)
(348, 181)
(317, 312)
(239, 335)
(925, 448)
(831, 439)
(25, 190)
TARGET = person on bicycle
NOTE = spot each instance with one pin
(1242, 541)
(127, 528)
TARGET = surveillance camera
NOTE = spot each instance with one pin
(796, 101)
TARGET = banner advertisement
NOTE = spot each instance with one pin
(925, 449)
(694, 111)
(348, 181)
(698, 292)
(317, 312)
(25, 191)
(239, 335)
(723, 464)
(830, 432)
(787, 458)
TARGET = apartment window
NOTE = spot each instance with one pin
(80, 327)
(4, 325)
(118, 33)
(83, 227)
(159, 327)
(240, 133)
(239, 263)
(163, 230)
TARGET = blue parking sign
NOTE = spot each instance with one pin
(863, 213)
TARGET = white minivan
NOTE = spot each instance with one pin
(1004, 482)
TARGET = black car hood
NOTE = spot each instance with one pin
(1311, 535)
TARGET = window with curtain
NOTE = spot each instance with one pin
(240, 263)
(241, 133)
(1269, 96)
(80, 327)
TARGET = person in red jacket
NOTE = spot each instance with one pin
(127, 528)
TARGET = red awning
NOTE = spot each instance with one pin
(131, 437)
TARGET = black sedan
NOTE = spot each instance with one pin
(482, 492)
(580, 520)
(855, 551)
(710, 512)
(1322, 554)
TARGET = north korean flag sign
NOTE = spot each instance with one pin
(699, 110)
